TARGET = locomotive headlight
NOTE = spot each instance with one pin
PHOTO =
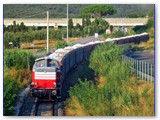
(33, 84)
(54, 83)
(54, 92)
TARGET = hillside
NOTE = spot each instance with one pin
(59, 10)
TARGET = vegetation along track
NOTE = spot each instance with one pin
(43, 107)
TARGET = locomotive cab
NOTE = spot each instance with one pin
(46, 75)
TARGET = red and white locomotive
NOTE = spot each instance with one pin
(46, 75)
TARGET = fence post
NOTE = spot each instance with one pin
(151, 73)
(132, 63)
(137, 68)
(148, 72)
(145, 71)
(142, 70)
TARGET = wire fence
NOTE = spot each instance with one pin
(142, 69)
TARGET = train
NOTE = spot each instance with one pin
(49, 72)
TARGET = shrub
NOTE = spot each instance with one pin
(61, 44)
(11, 89)
(102, 57)
(24, 77)
(18, 59)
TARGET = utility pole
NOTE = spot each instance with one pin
(67, 22)
(47, 31)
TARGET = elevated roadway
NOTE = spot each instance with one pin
(54, 22)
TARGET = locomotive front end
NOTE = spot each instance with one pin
(46, 76)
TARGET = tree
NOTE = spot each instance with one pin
(135, 15)
(78, 26)
(14, 26)
(100, 25)
(88, 22)
(70, 23)
(22, 27)
(98, 10)
(83, 22)
(151, 13)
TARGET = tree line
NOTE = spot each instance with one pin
(59, 10)
(20, 33)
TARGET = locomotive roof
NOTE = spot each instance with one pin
(42, 58)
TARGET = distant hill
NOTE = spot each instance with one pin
(59, 10)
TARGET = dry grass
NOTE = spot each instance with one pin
(39, 44)
(142, 98)
(101, 80)
(151, 32)
(147, 45)
(75, 108)
(11, 72)
(72, 39)
(78, 38)
(24, 77)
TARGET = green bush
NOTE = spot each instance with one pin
(11, 89)
(116, 34)
(106, 61)
(146, 28)
(61, 44)
(18, 59)
(102, 57)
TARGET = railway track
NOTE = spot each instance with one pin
(43, 107)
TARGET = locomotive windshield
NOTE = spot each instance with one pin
(46, 63)
(52, 63)
(40, 63)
